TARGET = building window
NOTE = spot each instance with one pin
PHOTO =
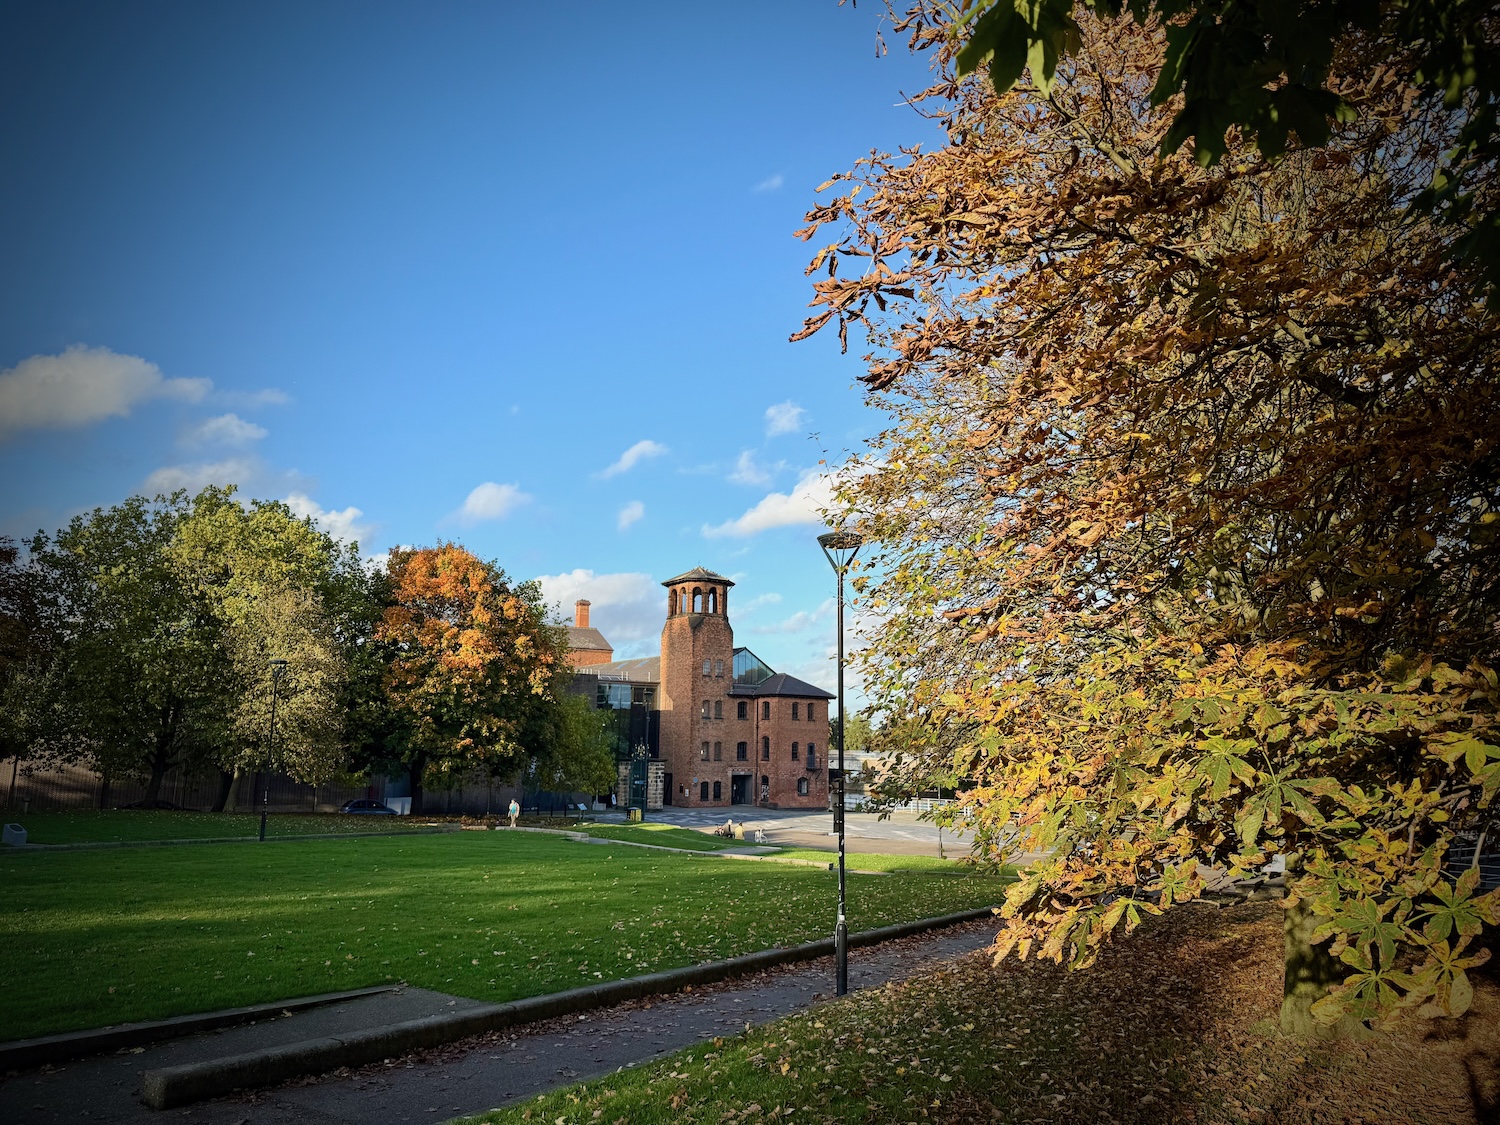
(718, 708)
(765, 709)
(765, 749)
(796, 756)
(742, 752)
(810, 713)
(713, 601)
(718, 751)
(765, 788)
(719, 668)
(705, 708)
(708, 667)
(703, 792)
(794, 712)
(697, 601)
(742, 710)
(704, 752)
(718, 792)
(812, 760)
(802, 787)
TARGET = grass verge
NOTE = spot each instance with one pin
(871, 861)
(89, 938)
(1176, 1023)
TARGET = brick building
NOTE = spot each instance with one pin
(706, 723)
(586, 645)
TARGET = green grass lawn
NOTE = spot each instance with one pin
(88, 826)
(665, 835)
(871, 861)
(89, 938)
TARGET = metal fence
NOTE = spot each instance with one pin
(75, 787)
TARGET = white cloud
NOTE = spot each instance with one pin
(195, 477)
(84, 385)
(226, 429)
(806, 503)
(343, 524)
(746, 471)
(770, 183)
(798, 622)
(627, 608)
(748, 607)
(491, 501)
(249, 400)
(630, 513)
(633, 456)
(784, 418)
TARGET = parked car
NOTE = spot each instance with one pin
(156, 805)
(364, 806)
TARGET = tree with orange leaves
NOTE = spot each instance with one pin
(473, 668)
(1185, 529)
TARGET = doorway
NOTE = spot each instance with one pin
(739, 789)
(666, 790)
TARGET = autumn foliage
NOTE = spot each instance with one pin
(1187, 519)
(471, 660)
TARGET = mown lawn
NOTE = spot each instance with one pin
(89, 938)
(664, 835)
(874, 861)
(1175, 1024)
(87, 826)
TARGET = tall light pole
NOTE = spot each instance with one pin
(278, 669)
(840, 547)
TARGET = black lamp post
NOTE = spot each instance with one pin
(278, 669)
(840, 547)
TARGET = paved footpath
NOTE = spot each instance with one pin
(466, 1077)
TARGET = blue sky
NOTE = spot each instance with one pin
(518, 276)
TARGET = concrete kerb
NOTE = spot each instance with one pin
(49, 1050)
(169, 1087)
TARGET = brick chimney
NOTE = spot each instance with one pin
(581, 613)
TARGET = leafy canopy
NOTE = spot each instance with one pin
(1185, 522)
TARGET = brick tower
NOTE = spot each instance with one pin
(697, 671)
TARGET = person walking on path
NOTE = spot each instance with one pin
(515, 811)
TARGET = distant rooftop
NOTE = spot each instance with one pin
(587, 639)
(642, 670)
(781, 684)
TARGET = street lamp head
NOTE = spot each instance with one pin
(840, 547)
(278, 669)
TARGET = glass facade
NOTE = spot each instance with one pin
(634, 720)
(750, 669)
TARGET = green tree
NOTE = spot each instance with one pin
(279, 588)
(574, 747)
(140, 660)
(1184, 529)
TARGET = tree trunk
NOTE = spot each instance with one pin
(161, 761)
(232, 800)
(414, 773)
(227, 778)
(1308, 974)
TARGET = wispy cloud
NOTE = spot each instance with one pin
(84, 385)
(490, 501)
(251, 400)
(798, 622)
(198, 476)
(784, 418)
(640, 451)
(746, 471)
(806, 503)
(630, 513)
(770, 183)
(226, 429)
(343, 524)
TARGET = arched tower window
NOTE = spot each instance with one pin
(672, 604)
(713, 601)
(697, 600)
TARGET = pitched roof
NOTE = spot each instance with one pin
(698, 574)
(587, 639)
(782, 684)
